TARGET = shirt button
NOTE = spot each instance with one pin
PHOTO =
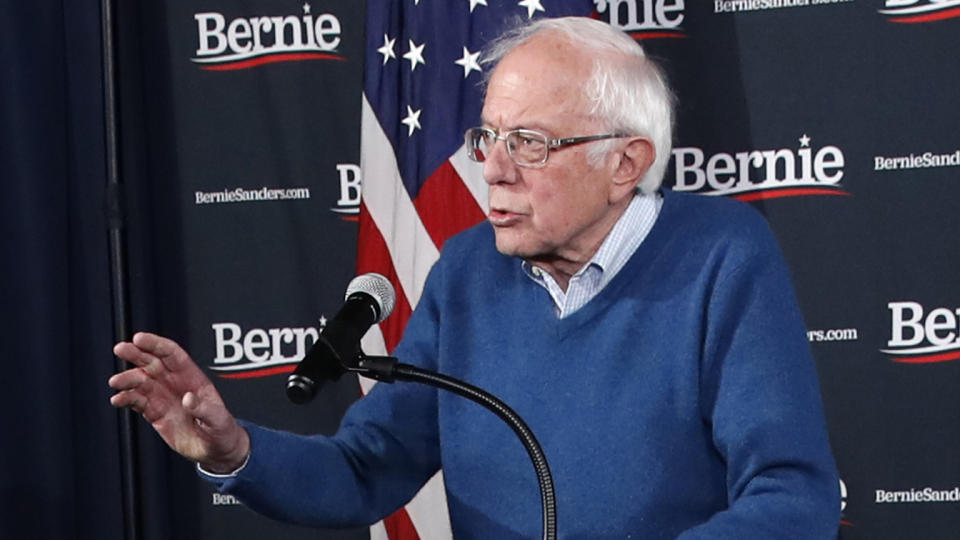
(536, 271)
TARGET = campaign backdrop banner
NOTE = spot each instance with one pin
(240, 151)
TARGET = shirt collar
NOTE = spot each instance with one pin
(623, 239)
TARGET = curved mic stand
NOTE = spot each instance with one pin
(388, 369)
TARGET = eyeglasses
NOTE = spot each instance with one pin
(526, 147)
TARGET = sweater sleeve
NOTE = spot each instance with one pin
(760, 395)
(385, 450)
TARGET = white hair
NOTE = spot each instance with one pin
(627, 91)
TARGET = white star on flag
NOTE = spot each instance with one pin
(415, 55)
(470, 62)
(387, 49)
(532, 6)
(475, 3)
(412, 120)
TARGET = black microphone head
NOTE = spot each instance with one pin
(379, 288)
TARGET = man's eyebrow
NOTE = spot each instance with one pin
(534, 127)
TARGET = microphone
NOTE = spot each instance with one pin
(369, 300)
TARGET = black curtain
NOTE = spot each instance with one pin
(60, 444)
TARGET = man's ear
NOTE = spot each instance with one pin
(634, 160)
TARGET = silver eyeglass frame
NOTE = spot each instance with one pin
(549, 144)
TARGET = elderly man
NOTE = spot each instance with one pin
(650, 339)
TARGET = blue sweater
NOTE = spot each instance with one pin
(681, 401)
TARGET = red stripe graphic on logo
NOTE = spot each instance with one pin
(656, 35)
(265, 372)
(936, 16)
(776, 194)
(271, 59)
(929, 359)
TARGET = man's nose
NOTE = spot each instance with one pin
(498, 166)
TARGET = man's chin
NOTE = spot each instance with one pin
(509, 248)
(514, 243)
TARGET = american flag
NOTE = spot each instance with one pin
(422, 90)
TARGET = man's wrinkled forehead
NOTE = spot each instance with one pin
(541, 78)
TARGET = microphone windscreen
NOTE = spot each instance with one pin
(378, 287)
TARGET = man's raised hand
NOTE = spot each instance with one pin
(172, 393)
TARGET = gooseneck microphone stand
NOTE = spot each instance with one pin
(387, 369)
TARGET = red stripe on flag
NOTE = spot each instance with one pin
(373, 255)
(936, 16)
(445, 205)
(399, 526)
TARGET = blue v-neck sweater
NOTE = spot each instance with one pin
(681, 401)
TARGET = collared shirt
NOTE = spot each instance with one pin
(620, 244)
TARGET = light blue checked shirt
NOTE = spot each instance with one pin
(624, 239)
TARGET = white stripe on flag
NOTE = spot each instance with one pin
(378, 531)
(428, 510)
(411, 248)
(472, 175)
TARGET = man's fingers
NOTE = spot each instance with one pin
(156, 355)
(131, 353)
(168, 351)
(129, 398)
(127, 379)
(149, 363)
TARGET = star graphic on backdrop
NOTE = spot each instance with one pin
(387, 49)
(532, 7)
(306, 8)
(412, 120)
(469, 62)
(804, 140)
(323, 321)
(475, 3)
(415, 55)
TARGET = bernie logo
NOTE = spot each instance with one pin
(761, 174)
(920, 11)
(253, 41)
(915, 339)
(348, 205)
(260, 352)
(645, 19)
